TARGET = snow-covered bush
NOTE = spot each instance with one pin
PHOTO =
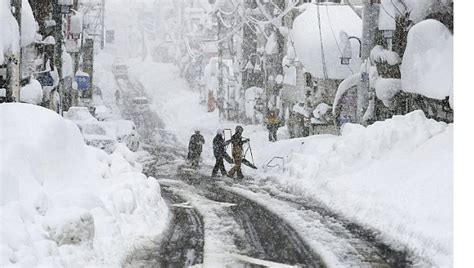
(32, 93)
(427, 66)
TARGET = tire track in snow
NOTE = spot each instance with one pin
(338, 241)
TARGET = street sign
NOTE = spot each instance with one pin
(45, 79)
(83, 82)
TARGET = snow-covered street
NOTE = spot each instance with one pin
(119, 146)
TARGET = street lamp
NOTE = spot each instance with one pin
(347, 47)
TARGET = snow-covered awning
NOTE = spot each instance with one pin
(316, 39)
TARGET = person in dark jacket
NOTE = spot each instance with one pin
(117, 96)
(273, 123)
(237, 152)
(195, 148)
(219, 144)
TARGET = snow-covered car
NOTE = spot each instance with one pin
(125, 132)
(140, 104)
(120, 69)
(79, 114)
(96, 135)
(93, 132)
(103, 113)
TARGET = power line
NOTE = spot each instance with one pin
(323, 57)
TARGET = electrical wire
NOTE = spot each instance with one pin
(396, 7)
(390, 15)
(323, 58)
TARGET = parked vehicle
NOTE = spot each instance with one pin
(120, 69)
(79, 114)
(125, 132)
(96, 135)
(93, 132)
(140, 104)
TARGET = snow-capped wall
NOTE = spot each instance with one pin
(427, 65)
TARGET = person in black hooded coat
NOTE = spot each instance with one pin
(219, 145)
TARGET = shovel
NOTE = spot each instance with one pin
(247, 162)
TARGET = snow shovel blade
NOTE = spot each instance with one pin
(247, 163)
(228, 159)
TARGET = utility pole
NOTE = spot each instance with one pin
(102, 23)
(14, 63)
(220, 93)
(58, 57)
(370, 16)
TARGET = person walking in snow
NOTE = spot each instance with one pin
(273, 123)
(237, 152)
(117, 96)
(218, 144)
(195, 148)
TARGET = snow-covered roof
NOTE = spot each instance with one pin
(313, 47)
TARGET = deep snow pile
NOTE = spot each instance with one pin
(393, 176)
(67, 204)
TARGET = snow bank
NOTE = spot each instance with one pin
(307, 39)
(393, 176)
(65, 203)
(427, 66)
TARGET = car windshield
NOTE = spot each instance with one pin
(140, 101)
(91, 129)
